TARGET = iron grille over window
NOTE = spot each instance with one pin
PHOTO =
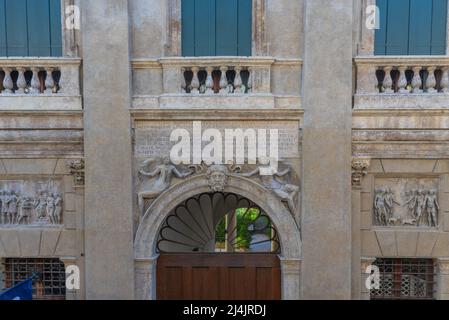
(50, 281)
(405, 279)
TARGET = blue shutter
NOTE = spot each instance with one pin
(380, 38)
(245, 27)
(227, 27)
(439, 27)
(39, 28)
(216, 27)
(55, 28)
(2, 29)
(205, 28)
(420, 33)
(398, 27)
(188, 27)
(411, 27)
(16, 28)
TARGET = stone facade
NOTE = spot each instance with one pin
(368, 160)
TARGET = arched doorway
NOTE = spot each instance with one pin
(156, 235)
(217, 246)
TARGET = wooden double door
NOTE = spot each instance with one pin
(218, 277)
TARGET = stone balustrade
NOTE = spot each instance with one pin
(217, 75)
(24, 80)
(402, 82)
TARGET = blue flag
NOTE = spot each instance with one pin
(22, 291)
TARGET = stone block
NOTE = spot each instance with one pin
(29, 241)
(10, 240)
(387, 242)
(406, 243)
(370, 245)
(29, 166)
(49, 241)
(408, 166)
(426, 242)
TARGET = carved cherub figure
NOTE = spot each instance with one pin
(163, 173)
(268, 176)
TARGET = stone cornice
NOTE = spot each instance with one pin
(402, 60)
(182, 114)
(151, 63)
(37, 61)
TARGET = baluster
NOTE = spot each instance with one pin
(195, 81)
(431, 81)
(238, 81)
(250, 80)
(444, 79)
(209, 81)
(21, 81)
(49, 82)
(223, 80)
(416, 81)
(388, 82)
(8, 84)
(183, 81)
(402, 82)
(35, 83)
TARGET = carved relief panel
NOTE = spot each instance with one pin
(37, 202)
(409, 202)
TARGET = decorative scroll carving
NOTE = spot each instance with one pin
(76, 167)
(30, 203)
(359, 170)
(417, 203)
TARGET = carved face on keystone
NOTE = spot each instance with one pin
(217, 178)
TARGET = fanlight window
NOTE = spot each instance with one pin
(217, 222)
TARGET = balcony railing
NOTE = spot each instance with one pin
(402, 82)
(40, 83)
(213, 82)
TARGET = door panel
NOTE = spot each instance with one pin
(218, 277)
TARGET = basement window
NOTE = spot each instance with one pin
(405, 279)
(49, 283)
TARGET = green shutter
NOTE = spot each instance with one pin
(16, 28)
(2, 29)
(227, 27)
(439, 27)
(420, 33)
(205, 28)
(398, 27)
(55, 28)
(188, 27)
(245, 26)
(39, 28)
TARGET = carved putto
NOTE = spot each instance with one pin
(156, 177)
(30, 203)
(421, 207)
(279, 182)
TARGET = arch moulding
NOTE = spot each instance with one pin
(146, 237)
